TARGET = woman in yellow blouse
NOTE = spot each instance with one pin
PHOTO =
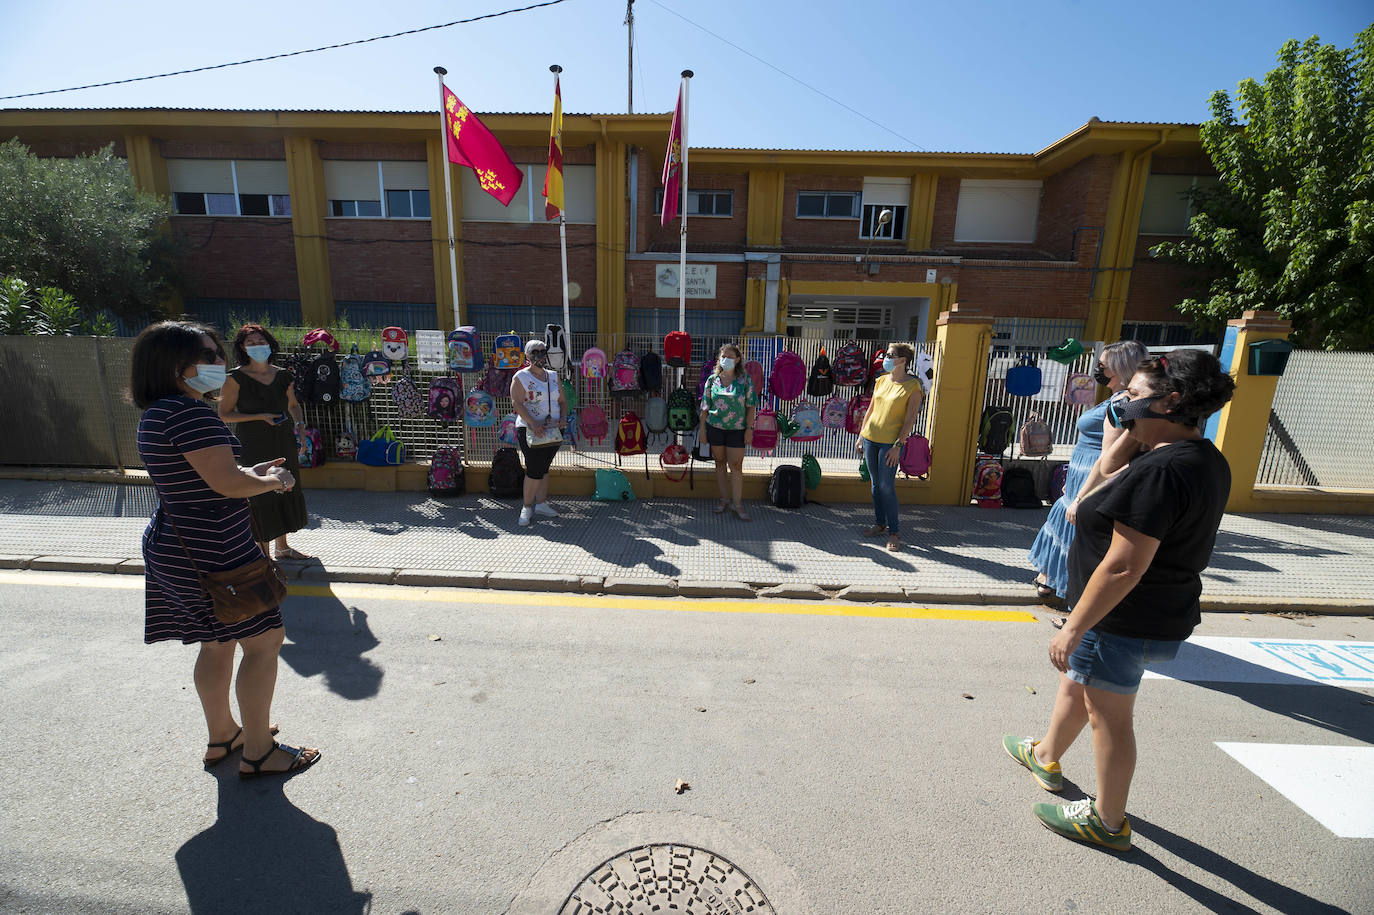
(888, 422)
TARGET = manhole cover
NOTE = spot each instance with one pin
(667, 878)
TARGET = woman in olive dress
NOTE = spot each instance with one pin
(258, 398)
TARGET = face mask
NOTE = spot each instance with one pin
(1123, 414)
(727, 364)
(888, 364)
(207, 378)
(1100, 375)
(539, 357)
(260, 353)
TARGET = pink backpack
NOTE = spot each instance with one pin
(754, 369)
(625, 373)
(834, 413)
(311, 452)
(789, 376)
(915, 459)
(765, 430)
(594, 363)
(591, 424)
(987, 481)
(854, 413)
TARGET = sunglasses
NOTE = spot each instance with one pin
(210, 356)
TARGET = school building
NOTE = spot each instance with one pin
(307, 216)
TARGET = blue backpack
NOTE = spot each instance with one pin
(465, 350)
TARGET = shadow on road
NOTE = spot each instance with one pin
(326, 637)
(263, 851)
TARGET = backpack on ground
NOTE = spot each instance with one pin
(464, 347)
(479, 410)
(630, 440)
(833, 412)
(1058, 478)
(656, 416)
(445, 394)
(594, 364)
(592, 425)
(1023, 379)
(677, 349)
(987, 481)
(754, 369)
(1035, 438)
(311, 452)
(765, 437)
(675, 457)
(808, 420)
(849, 367)
(324, 379)
(650, 372)
(556, 342)
(820, 383)
(383, 449)
(854, 413)
(395, 344)
(445, 476)
(612, 486)
(811, 471)
(698, 449)
(1080, 390)
(994, 430)
(683, 412)
(507, 434)
(409, 403)
(1018, 489)
(507, 352)
(789, 376)
(915, 457)
(507, 478)
(354, 386)
(346, 445)
(625, 373)
(787, 487)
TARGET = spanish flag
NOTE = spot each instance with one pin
(470, 143)
(553, 178)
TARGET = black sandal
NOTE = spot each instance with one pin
(228, 748)
(299, 761)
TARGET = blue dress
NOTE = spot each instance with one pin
(217, 531)
(1050, 552)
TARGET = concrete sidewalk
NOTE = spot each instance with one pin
(965, 555)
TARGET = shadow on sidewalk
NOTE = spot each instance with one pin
(324, 636)
(262, 850)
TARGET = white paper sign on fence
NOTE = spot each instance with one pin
(429, 350)
(1052, 378)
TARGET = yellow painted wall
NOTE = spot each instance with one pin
(305, 178)
(437, 160)
(611, 235)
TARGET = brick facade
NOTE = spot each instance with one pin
(238, 257)
(518, 264)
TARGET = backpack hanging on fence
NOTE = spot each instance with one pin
(656, 416)
(445, 476)
(377, 367)
(787, 426)
(556, 342)
(311, 450)
(445, 394)
(324, 379)
(507, 477)
(915, 457)
(569, 391)
(925, 370)
(625, 373)
(1023, 379)
(707, 370)
(591, 424)
(994, 430)
(395, 344)
(1018, 489)
(987, 481)
(849, 367)
(298, 364)
(465, 350)
(1035, 438)
(612, 486)
(353, 384)
(789, 376)
(875, 368)
(594, 364)
(507, 434)
(854, 413)
(833, 412)
(630, 440)
(409, 403)
(507, 352)
(497, 381)
(787, 487)
(1080, 390)
(676, 457)
(650, 372)
(808, 420)
(683, 413)
(1058, 478)
(765, 437)
(754, 369)
(574, 433)
(677, 349)
(479, 410)
(346, 445)
(820, 383)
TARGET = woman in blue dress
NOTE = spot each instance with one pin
(202, 525)
(1050, 552)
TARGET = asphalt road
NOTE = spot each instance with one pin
(841, 759)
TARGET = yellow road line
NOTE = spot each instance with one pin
(349, 591)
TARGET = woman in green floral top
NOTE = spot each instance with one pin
(728, 404)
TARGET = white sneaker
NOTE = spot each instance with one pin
(545, 509)
(526, 514)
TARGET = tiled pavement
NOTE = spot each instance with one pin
(969, 553)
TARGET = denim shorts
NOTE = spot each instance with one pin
(1115, 663)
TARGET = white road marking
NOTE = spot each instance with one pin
(1220, 659)
(1329, 784)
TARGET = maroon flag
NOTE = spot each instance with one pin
(471, 144)
(672, 166)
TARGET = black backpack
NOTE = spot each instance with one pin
(650, 372)
(324, 379)
(820, 383)
(994, 430)
(787, 488)
(1018, 489)
(507, 476)
(298, 364)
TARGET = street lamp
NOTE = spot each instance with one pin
(884, 218)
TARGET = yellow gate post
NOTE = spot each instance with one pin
(965, 335)
(1243, 422)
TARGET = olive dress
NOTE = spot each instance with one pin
(275, 514)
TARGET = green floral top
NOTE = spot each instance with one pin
(726, 404)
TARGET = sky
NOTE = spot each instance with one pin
(976, 76)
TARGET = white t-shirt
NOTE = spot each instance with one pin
(541, 397)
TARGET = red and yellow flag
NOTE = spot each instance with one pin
(672, 166)
(553, 177)
(470, 143)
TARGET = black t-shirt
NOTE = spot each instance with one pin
(1176, 494)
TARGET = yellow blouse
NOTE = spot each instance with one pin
(888, 410)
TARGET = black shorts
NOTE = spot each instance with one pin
(537, 460)
(729, 438)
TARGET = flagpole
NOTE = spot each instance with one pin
(682, 258)
(448, 198)
(563, 235)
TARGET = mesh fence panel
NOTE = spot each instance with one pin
(1321, 422)
(1049, 404)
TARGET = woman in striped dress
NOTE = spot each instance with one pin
(202, 523)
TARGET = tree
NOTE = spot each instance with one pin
(46, 311)
(79, 225)
(1290, 224)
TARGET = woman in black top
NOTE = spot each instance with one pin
(1135, 575)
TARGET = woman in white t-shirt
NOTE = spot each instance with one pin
(537, 397)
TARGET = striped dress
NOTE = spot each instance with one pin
(217, 530)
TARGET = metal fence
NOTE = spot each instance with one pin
(1321, 423)
(1048, 404)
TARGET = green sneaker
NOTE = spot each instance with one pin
(1080, 821)
(1021, 749)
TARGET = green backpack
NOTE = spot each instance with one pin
(787, 426)
(811, 471)
(682, 411)
(612, 486)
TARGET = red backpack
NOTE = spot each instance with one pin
(875, 366)
(630, 439)
(677, 349)
(591, 424)
(789, 376)
(848, 367)
(854, 413)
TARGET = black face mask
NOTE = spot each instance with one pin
(1123, 413)
(1100, 375)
